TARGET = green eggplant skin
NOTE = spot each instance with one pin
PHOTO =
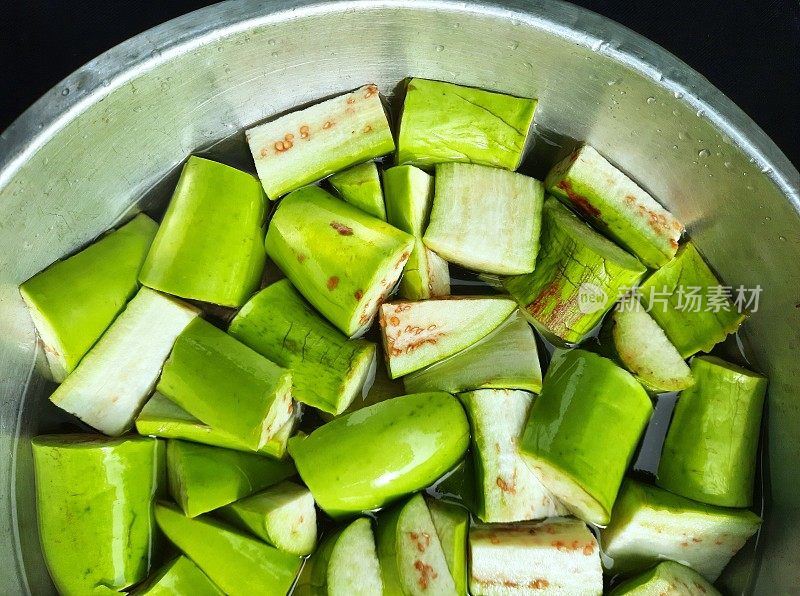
(583, 429)
(328, 369)
(179, 576)
(371, 457)
(343, 261)
(666, 579)
(692, 325)
(239, 564)
(227, 385)
(209, 246)
(73, 301)
(452, 526)
(443, 122)
(94, 499)
(709, 454)
(361, 187)
(203, 478)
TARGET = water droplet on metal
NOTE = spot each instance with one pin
(682, 135)
(614, 82)
(701, 113)
(703, 153)
(677, 94)
(674, 146)
(274, 54)
(271, 42)
(65, 91)
(782, 238)
(439, 48)
(456, 25)
(528, 65)
(651, 100)
(727, 164)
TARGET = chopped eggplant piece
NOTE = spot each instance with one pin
(452, 525)
(361, 187)
(179, 576)
(666, 579)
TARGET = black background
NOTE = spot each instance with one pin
(750, 49)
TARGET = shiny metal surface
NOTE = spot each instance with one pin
(87, 153)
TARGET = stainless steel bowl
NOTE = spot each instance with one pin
(108, 138)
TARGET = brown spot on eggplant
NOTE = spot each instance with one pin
(539, 584)
(394, 321)
(305, 132)
(281, 146)
(264, 152)
(588, 550)
(421, 540)
(301, 257)
(342, 229)
(579, 201)
(351, 99)
(370, 91)
(426, 574)
(494, 539)
(333, 281)
(508, 486)
(510, 583)
(328, 124)
(358, 294)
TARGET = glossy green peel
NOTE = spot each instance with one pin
(328, 370)
(94, 501)
(689, 303)
(452, 526)
(343, 261)
(367, 459)
(179, 576)
(486, 219)
(238, 564)
(443, 122)
(578, 277)
(203, 478)
(307, 145)
(709, 454)
(209, 245)
(73, 301)
(581, 391)
(666, 579)
(361, 187)
(227, 385)
(616, 205)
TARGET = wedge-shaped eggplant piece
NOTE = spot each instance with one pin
(579, 275)
(282, 515)
(417, 334)
(161, 417)
(361, 187)
(689, 303)
(666, 579)
(632, 338)
(179, 576)
(508, 490)
(239, 564)
(412, 560)
(650, 524)
(443, 122)
(340, 259)
(452, 525)
(116, 376)
(328, 370)
(209, 244)
(94, 501)
(615, 204)
(381, 389)
(486, 219)
(557, 556)
(73, 301)
(203, 478)
(505, 359)
(583, 429)
(373, 456)
(227, 385)
(345, 564)
(307, 145)
(409, 192)
(709, 454)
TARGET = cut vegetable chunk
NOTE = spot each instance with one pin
(709, 454)
(583, 391)
(94, 501)
(688, 302)
(426, 274)
(227, 385)
(650, 524)
(452, 525)
(328, 370)
(342, 260)
(616, 205)
(486, 219)
(444, 122)
(578, 276)
(210, 243)
(179, 576)
(282, 515)
(345, 564)
(505, 359)
(307, 145)
(238, 564)
(361, 187)
(203, 478)
(73, 301)
(417, 334)
(161, 417)
(666, 579)
(381, 389)
(410, 553)
(369, 458)
(508, 490)
(557, 556)
(114, 379)
(636, 341)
